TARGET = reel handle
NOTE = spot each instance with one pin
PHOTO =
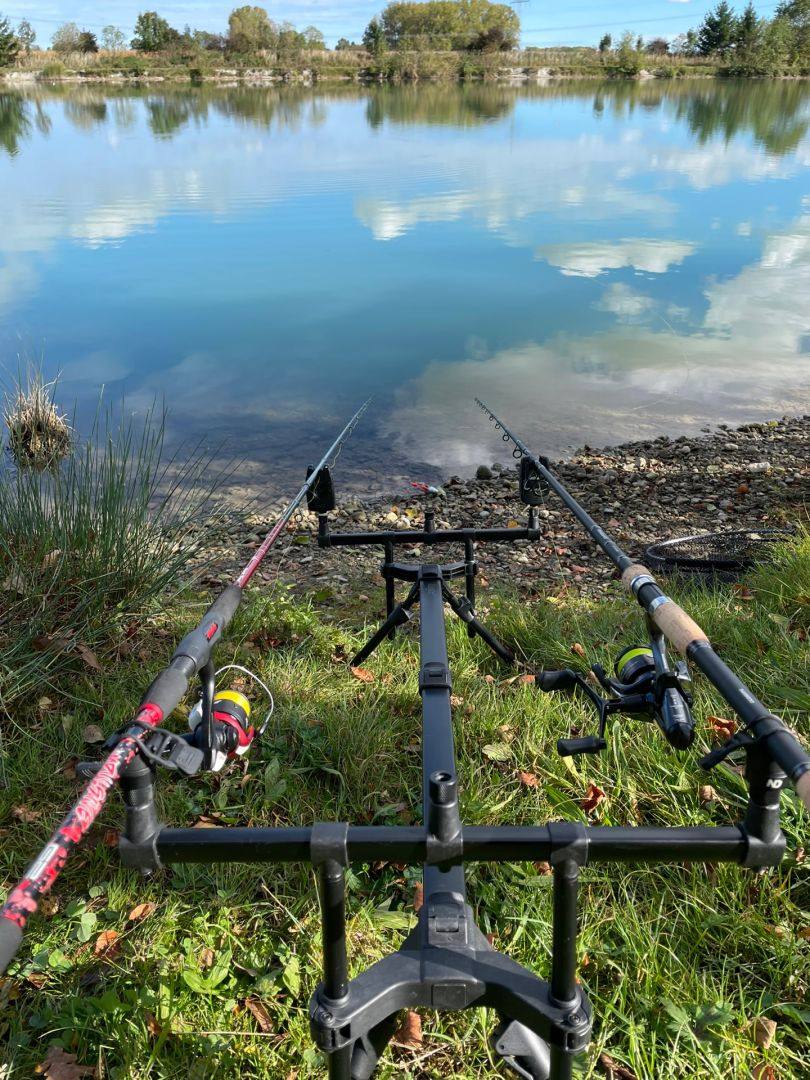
(675, 719)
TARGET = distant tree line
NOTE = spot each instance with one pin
(744, 43)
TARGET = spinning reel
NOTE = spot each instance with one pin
(644, 685)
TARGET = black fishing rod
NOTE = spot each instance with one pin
(216, 735)
(667, 617)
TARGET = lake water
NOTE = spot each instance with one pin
(598, 262)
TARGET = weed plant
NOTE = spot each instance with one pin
(87, 543)
(683, 963)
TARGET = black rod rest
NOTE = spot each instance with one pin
(445, 962)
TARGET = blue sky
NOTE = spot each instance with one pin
(580, 22)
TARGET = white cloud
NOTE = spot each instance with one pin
(625, 302)
(592, 259)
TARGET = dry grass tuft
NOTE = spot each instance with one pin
(39, 437)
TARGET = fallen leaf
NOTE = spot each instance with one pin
(483, 582)
(764, 1031)
(44, 704)
(111, 837)
(578, 649)
(707, 793)
(409, 1033)
(68, 770)
(579, 569)
(89, 657)
(512, 524)
(107, 944)
(593, 798)
(25, 814)
(543, 869)
(60, 1065)
(456, 701)
(260, 1014)
(724, 729)
(614, 1070)
(763, 1072)
(49, 905)
(152, 1025)
(49, 642)
(363, 674)
(418, 895)
(50, 558)
(743, 489)
(742, 591)
(527, 680)
(801, 855)
(489, 679)
(93, 734)
(141, 912)
(207, 958)
(527, 779)
(497, 751)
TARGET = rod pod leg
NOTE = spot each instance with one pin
(522, 1051)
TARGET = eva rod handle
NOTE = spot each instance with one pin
(10, 938)
(675, 720)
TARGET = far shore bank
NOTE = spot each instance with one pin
(753, 476)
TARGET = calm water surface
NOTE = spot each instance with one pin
(598, 262)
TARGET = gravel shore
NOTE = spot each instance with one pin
(754, 476)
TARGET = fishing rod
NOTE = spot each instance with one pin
(669, 620)
(220, 722)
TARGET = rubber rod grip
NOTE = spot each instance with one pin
(225, 606)
(10, 938)
(167, 690)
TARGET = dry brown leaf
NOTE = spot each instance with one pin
(706, 793)
(68, 770)
(260, 1014)
(743, 489)
(107, 944)
(483, 582)
(577, 569)
(593, 797)
(152, 1025)
(89, 657)
(207, 958)
(723, 729)
(50, 558)
(801, 855)
(763, 1071)
(489, 679)
(363, 674)
(418, 895)
(141, 911)
(764, 1031)
(456, 701)
(25, 814)
(614, 1070)
(527, 680)
(543, 868)
(60, 1065)
(49, 905)
(92, 734)
(409, 1034)
(527, 779)
(111, 837)
(577, 649)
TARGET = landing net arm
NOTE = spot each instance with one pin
(165, 693)
(682, 631)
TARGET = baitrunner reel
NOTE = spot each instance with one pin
(645, 685)
(231, 733)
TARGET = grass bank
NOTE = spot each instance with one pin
(205, 971)
(350, 65)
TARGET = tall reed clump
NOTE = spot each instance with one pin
(87, 542)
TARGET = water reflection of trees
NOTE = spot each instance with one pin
(776, 113)
(467, 105)
(15, 122)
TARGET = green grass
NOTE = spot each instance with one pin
(678, 961)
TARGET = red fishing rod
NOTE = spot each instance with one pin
(214, 737)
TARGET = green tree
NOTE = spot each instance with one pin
(87, 42)
(66, 38)
(112, 39)
(796, 13)
(718, 31)
(313, 38)
(747, 28)
(344, 44)
(447, 24)
(152, 33)
(628, 59)
(374, 38)
(604, 43)
(250, 29)
(15, 121)
(657, 47)
(26, 35)
(9, 45)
